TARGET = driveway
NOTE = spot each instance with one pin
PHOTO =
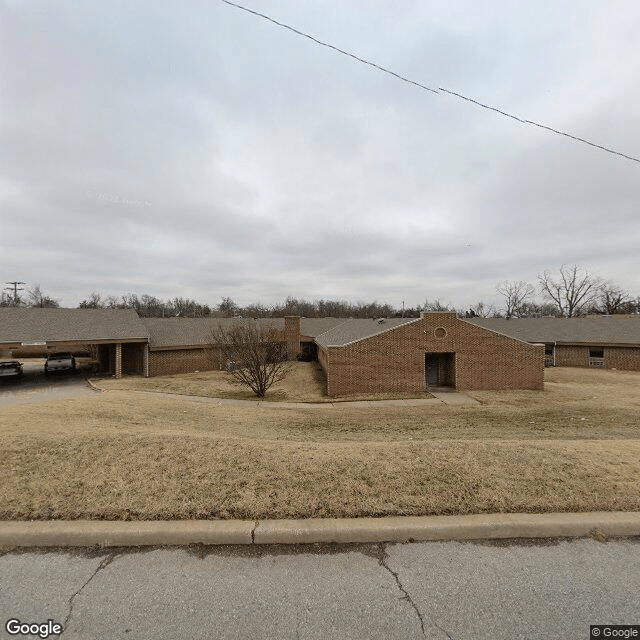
(36, 387)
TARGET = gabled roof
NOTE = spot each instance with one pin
(598, 330)
(69, 325)
(312, 327)
(355, 330)
(194, 332)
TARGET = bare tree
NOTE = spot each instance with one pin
(612, 299)
(113, 302)
(537, 310)
(633, 306)
(9, 300)
(436, 305)
(516, 295)
(256, 355)
(187, 308)
(94, 301)
(228, 307)
(572, 291)
(481, 310)
(35, 298)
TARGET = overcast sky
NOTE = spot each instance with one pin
(192, 149)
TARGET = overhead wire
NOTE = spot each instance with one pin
(432, 89)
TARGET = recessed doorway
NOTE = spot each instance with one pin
(439, 369)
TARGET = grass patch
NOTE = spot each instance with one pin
(305, 382)
(125, 455)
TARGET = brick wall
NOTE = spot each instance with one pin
(624, 358)
(133, 358)
(322, 358)
(165, 363)
(395, 360)
(571, 356)
(292, 335)
(188, 360)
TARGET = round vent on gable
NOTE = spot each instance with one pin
(440, 332)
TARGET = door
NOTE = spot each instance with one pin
(439, 369)
(432, 369)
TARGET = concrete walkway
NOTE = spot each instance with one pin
(452, 397)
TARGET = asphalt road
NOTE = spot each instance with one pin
(36, 387)
(506, 590)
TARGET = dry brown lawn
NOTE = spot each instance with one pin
(128, 455)
(304, 383)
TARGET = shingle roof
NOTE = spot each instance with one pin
(193, 332)
(313, 327)
(622, 330)
(69, 325)
(357, 329)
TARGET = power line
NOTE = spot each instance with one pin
(542, 126)
(431, 89)
(330, 46)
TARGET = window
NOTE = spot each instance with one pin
(596, 352)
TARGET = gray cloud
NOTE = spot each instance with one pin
(200, 151)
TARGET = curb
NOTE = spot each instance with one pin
(61, 533)
(94, 386)
(88, 533)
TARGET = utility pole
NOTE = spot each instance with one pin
(403, 308)
(15, 288)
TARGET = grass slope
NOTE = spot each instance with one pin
(126, 455)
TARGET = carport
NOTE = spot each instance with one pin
(116, 338)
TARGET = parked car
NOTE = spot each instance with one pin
(59, 362)
(11, 369)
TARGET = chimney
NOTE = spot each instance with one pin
(292, 335)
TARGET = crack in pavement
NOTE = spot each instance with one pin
(253, 531)
(382, 557)
(105, 562)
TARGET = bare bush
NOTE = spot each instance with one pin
(255, 355)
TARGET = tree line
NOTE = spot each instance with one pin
(569, 292)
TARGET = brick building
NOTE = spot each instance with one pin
(610, 342)
(358, 356)
(116, 338)
(184, 345)
(410, 355)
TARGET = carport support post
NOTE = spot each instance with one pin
(145, 361)
(118, 363)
